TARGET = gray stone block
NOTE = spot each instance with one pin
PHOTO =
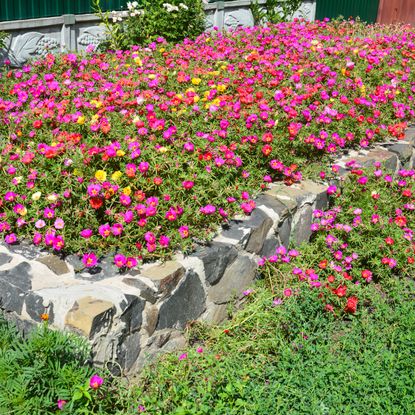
(186, 303)
(284, 231)
(259, 224)
(132, 314)
(19, 276)
(402, 150)
(238, 276)
(129, 350)
(302, 228)
(5, 259)
(35, 307)
(269, 246)
(216, 257)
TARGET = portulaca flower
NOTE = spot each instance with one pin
(183, 6)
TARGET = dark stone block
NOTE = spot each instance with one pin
(186, 303)
(402, 150)
(132, 313)
(19, 276)
(35, 307)
(259, 223)
(234, 230)
(216, 258)
(11, 297)
(237, 278)
(146, 292)
(284, 231)
(129, 351)
(272, 203)
(5, 259)
(269, 246)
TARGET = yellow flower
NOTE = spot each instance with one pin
(100, 175)
(190, 90)
(221, 88)
(161, 50)
(80, 120)
(97, 103)
(18, 179)
(163, 149)
(196, 81)
(116, 176)
(120, 153)
(207, 40)
(138, 61)
(36, 196)
(127, 190)
(196, 99)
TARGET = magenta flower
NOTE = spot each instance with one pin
(120, 260)
(11, 238)
(89, 260)
(105, 230)
(117, 229)
(208, 210)
(183, 356)
(61, 404)
(131, 262)
(184, 231)
(48, 213)
(95, 382)
(86, 233)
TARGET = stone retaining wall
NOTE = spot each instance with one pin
(130, 317)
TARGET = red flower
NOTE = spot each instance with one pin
(389, 241)
(351, 305)
(340, 291)
(96, 202)
(400, 221)
(323, 264)
(37, 124)
(331, 279)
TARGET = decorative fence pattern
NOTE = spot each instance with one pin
(35, 37)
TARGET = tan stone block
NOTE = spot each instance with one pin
(89, 315)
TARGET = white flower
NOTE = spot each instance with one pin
(183, 6)
(170, 7)
(36, 196)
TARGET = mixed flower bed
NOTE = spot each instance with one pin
(140, 153)
(366, 237)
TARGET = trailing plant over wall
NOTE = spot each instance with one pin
(149, 20)
(274, 11)
(3, 37)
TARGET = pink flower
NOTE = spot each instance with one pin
(105, 230)
(120, 260)
(61, 403)
(11, 238)
(89, 260)
(59, 223)
(183, 356)
(130, 262)
(164, 241)
(208, 210)
(288, 292)
(86, 233)
(95, 382)
(331, 190)
(184, 231)
(117, 229)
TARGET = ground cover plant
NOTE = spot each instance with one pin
(328, 330)
(142, 152)
(320, 333)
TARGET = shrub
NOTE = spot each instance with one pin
(274, 11)
(147, 21)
